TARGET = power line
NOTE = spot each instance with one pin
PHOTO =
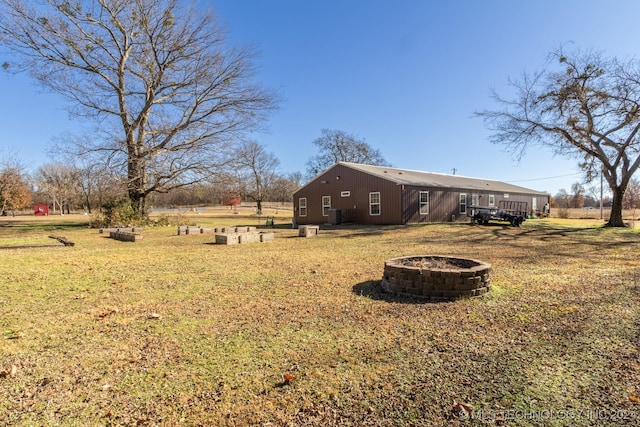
(550, 177)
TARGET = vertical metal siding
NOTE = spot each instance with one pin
(444, 204)
(341, 179)
(399, 204)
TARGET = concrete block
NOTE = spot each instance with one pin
(308, 230)
(125, 236)
(266, 237)
(227, 239)
(193, 230)
(249, 237)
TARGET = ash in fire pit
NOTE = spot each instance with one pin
(436, 277)
(442, 263)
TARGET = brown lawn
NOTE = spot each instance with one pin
(175, 330)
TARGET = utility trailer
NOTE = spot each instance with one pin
(515, 213)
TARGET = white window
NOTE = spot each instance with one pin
(374, 203)
(424, 203)
(492, 200)
(534, 204)
(302, 206)
(326, 205)
(463, 203)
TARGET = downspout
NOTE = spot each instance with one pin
(402, 206)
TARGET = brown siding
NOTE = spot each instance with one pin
(341, 179)
(399, 204)
(444, 204)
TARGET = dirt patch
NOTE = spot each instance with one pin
(442, 263)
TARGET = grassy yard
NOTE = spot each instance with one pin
(175, 330)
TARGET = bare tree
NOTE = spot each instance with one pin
(61, 182)
(577, 197)
(156, 75)
(562, 199)
(588, 107)
(338, 146)
(97, 185)
(632, 195)
(225, 185)
(258, 167)
(283, 187)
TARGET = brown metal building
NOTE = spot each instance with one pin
(364, 194)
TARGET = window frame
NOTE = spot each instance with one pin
(462, 207)
(326, 207)
(302, 206)
(422, 203)
(492, 199)
(374, 203)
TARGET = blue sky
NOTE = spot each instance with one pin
(406, 76)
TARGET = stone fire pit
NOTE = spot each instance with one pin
(436, 277)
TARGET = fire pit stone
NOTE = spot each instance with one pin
(436, 277)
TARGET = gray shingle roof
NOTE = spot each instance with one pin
(430, 179)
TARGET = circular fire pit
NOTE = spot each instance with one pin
(436, 277)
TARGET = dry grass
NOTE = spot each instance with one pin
(176, 331)
(631, 216)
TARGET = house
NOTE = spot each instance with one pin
(365, 194)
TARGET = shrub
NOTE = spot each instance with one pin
(178, 220)
(118, 213)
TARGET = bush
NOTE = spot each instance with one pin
(178, 220)
(118, 213)
(563, 213)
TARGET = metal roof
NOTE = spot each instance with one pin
(431, 179)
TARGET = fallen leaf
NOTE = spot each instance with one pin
(634, 399)
(288, 378)
(9, 373)
(16, 336)
(462, 409)
(154, 316)
(107, 313)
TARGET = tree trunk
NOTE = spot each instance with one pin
(136, 185)
(137, 199)
(615, 220)
(87, 203)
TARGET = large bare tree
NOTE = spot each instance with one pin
(257, 169)
(584, 106)
(157, 76)
(339, 146)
